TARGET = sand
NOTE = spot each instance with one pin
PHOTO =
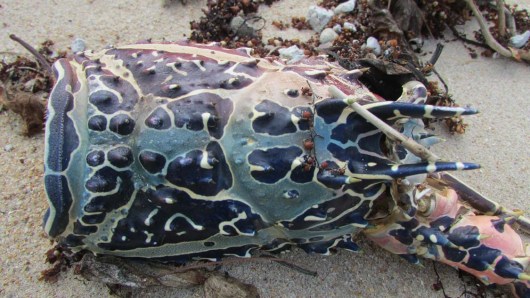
(497, 138)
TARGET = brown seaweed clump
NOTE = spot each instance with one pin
(25, 86)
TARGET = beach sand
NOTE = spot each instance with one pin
(497, 139)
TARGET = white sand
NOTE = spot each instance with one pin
(498, 139)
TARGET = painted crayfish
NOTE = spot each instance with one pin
(186, 151)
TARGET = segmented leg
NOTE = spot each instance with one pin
(445, 230)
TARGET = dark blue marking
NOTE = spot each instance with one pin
(356, 217)
(186, 171)
(152, 161)
(301, 175)
(303, 124)
(61, 200)
(444, 221)
(188, 113)
(321, 247)
(498, 224)
(415, 111)
(454, 254)
(402, 236)
(111, 202)
(80, 229)
(401, 152)
(277, 120)
(330, 176)
(277, 163)
(331, 209)
(405, 170)
(103, 180)
(466, 236)
(211, 215)
(97, 123)
(108, 103)
(348, 244)
(95, 158)
(93, 219)
(410, 224)
(122, 124)
(355, 125)
(330, 109)
(480, 258)
(274, 245)
(120, 156)
(158, 119)
(72, 241)
(251, 70)
(428, 232)
(508, 268)
(125, 89)
(92, 67)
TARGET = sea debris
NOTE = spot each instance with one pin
(319, 17)
(345, 7)
(520, 40)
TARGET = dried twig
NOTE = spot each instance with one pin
(31, 69)
(491, 41)
(43, 62)
(510, 22)
(502, 18)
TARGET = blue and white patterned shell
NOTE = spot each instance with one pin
(176, 151)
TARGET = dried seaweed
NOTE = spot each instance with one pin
(25, 86)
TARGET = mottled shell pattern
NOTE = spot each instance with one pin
(179, 151)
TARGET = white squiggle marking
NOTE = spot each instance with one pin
(295, 119)
(169, 201)
(149, 236)
(233, 72)
(196, 62)
(174, 68)
(231, 223)
(314, 218)
(147, 221)
(431, 168)
(152, 68)
(296, 162)
(398, 115)
(204, 161)
(205, 117)
(428, 111)
(433, 238)
(315, 73)
(167, 226)
(169, 78)
(256, 168)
